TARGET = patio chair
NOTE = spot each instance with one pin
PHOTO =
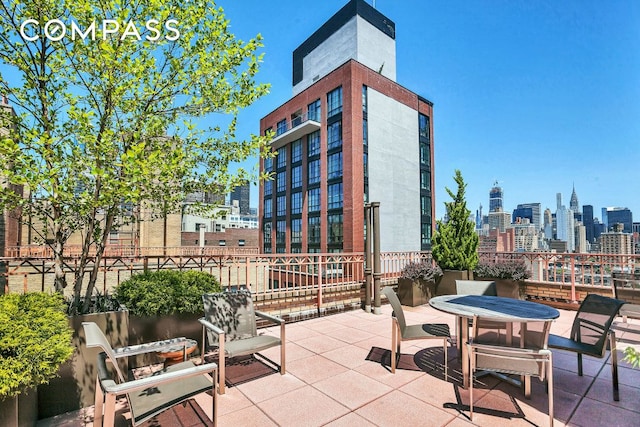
(483, 287)
(400, 331)
(229, 324)
(148, 396)
(532, 358)
(591, 327)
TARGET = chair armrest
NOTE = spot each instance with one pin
(269, 317)
(110, 387)
(210, 326)
(133, 350)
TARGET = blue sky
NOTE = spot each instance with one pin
(538, 95)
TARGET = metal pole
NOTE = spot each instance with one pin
(376, 257)
(367, 258)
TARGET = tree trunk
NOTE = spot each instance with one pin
(60, 281)
(100, 247)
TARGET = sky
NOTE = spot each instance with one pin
(538, 96)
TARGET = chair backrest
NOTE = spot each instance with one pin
(232, 312)
(95, 338)
(397, 307)
(593, 320)
(476, 287)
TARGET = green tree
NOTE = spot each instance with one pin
(455, 243)
(111, 122)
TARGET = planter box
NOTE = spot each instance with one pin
(415, 292)
(508, 288)
(74, 387)
(20, 410)
(147, 329)
(448, 283)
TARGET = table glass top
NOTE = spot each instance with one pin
(493, 307)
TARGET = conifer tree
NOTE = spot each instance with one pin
(455, 243)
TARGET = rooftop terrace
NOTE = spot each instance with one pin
(338, 375)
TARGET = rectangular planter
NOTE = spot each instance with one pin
(412, 292)
(20, 410)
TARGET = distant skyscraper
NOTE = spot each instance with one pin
(612, 216)
(548, 224)
(532, 211)
(587, 220)
(573, 203)
(495, 198)
(558, 200)
(479, 217)
(241, 193)
(565, 227)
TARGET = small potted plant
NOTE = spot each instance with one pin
(418, 282)
(35, 339)
(508, 275)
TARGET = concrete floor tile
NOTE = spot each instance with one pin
(400, 409)
(352, 389)
(315, 368)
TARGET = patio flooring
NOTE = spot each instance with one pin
(338, 375)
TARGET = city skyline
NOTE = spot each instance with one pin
(537, 96)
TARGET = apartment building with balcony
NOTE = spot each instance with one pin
(349, 135)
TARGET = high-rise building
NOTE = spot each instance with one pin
(565, 228)
(612, 216)
(499, 220)
(587, 220)
(351, 134)
(573, 202)
(616, 242)
(531, 211)
(242, 194)
(495, 198)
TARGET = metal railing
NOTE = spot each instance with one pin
(269, 273)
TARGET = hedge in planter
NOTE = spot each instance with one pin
(35, 339)
(418, 282)
(507, 274)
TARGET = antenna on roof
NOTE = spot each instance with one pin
(374, 4)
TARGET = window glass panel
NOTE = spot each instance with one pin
(267, 233)
(423, 122)
(281, 181)
(314, 110)
(334, 135)
(296, 177)
(425, 235)
(282, 158)
(296, 151)
(313, 200)
(334, 102)
(296, 231)
(334, 196)
(365, 163)
(268, 164)
(268, 187)
(281, 206)
(335, 230)
(313, 171)
(281, 127)
(313, 230)
(313, 148)
(425, 180)
(281, 232)
(267, 208)
(296, 203)
(424, 154)
(334, 165)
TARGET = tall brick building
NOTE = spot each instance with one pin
(350, 134)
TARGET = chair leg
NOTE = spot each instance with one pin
(283, 347)
(445, 359)
(580, 364)
(549, 383)
(393, 346)
(214, 403)
(97, 413)
(614, 365)
(471, 370)
(109, 410)
(221, 366)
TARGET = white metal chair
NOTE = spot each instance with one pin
(151, 395)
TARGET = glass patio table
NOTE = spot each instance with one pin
(508, 310)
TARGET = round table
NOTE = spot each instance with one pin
(176, 354)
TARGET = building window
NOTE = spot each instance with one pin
(425, 180)
(266, 239)
(334, 135)
(334, 165)
(296, 203)
(365, 164)
(334, 102)
(281, 232)
(313, 148)
(425, 234)
(313, 172)
(222, 243)
(314, 110)
(268, 164)
(296, 151)
(267, 208)
(241, 242)
(334, 200)
(365, 133)
(424, 154)
(281, 127)
(425, 205)
(364, 99)
(266, 249)
(281, 206)
(313, 200)
(296, 231)
(282, 158)
(296, 177)
(313, 230)
(268, 187)
(335, 229)
(423, 123)
(281, 181)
